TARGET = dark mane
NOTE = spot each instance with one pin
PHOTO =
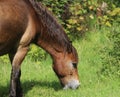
(54, 31)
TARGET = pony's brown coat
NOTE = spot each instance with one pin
(23, 22)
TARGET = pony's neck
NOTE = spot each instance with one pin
(48, 43)
(50, 34)
(55, 43)
(49, 48)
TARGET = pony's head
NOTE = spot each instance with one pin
(65, 67)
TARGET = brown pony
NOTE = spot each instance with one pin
(23, 22)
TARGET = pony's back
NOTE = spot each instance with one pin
(14, 18)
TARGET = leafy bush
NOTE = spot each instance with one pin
(36, 54)
(111, 56)
(58, 7)
(79, 16)
(83, 16)
(4, 60)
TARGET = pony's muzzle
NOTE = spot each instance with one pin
(74, 84)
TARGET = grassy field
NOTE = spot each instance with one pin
(39, 80)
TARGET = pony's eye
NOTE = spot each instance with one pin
(74, 65)
(61, 76)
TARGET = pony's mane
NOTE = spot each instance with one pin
(54, 31)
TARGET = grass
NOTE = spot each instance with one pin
(39, 80)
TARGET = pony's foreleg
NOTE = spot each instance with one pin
(15, 85)
(18, 84)
(19, 56)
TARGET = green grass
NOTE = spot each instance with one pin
(39, 80)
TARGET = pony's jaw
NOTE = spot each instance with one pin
(73, 84)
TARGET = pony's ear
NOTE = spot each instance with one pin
(74, 65)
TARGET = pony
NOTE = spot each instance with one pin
(23, 22)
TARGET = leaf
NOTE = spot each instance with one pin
(81, 18)
(108, 24)
(69, 26)
(91, 16)
(72, 21)
(79, 28)
(115, 12)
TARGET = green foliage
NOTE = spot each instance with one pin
(79, 16)
(111, 13)
(57, 7)
(82, 16)
(4, 60)
(115, 12)
(36, 54)
(111, 55)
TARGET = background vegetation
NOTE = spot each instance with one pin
(94, 28)
(83, 16)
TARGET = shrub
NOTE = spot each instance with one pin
(36, 54)
(4, 60)
(79, 16)
(111, 56)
